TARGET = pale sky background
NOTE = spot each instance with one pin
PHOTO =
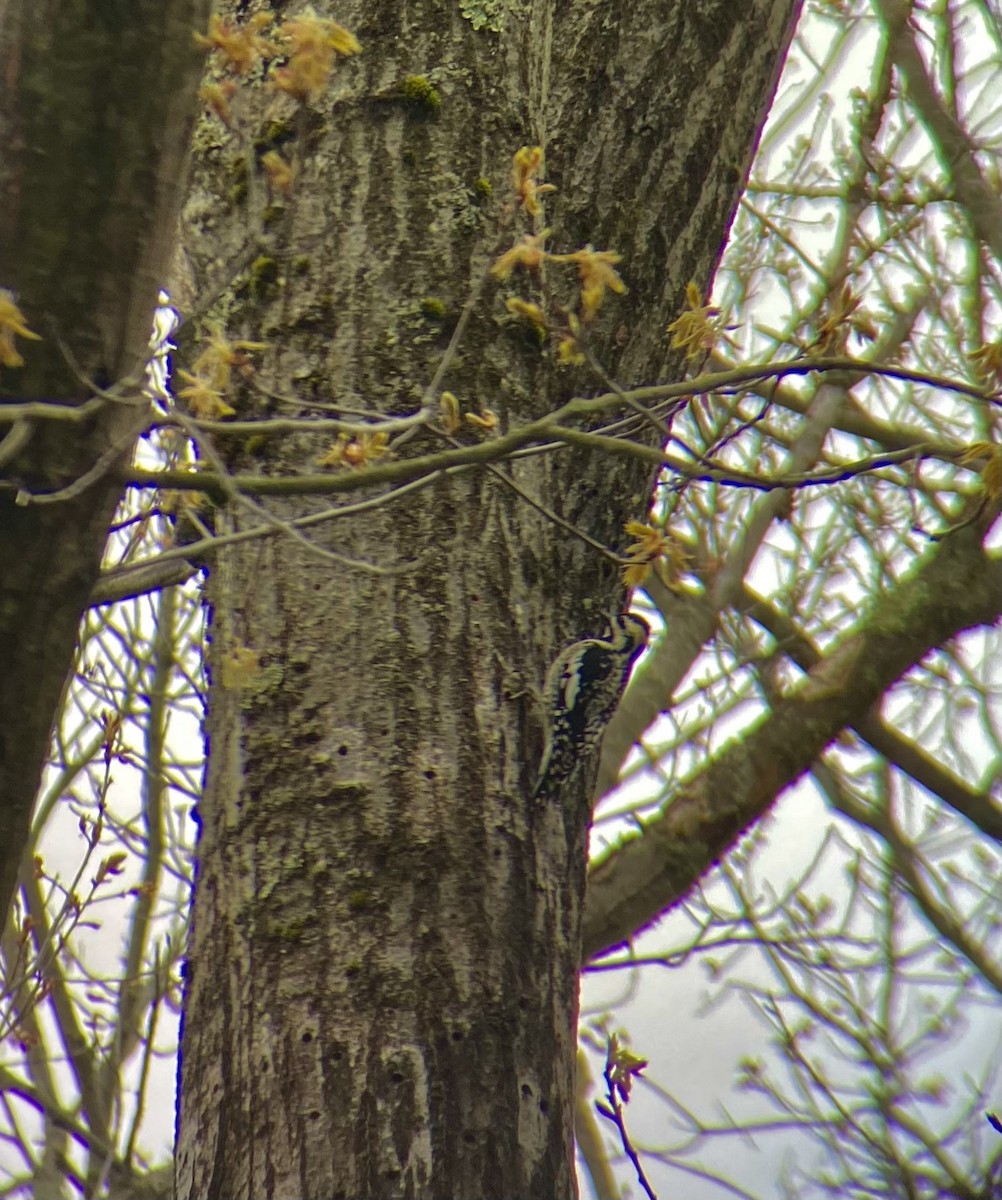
(693, 1046)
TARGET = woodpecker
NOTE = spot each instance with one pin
(583, 687)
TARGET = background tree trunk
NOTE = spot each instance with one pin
(382, 982)
(96, 109)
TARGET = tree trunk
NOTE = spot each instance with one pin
(95, 117)
(382, 988)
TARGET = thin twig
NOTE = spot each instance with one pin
(614, 1112)
(547, 512)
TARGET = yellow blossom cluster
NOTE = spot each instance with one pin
(528, 252)
(695, 331)
(308, 43)
(356, 450)
(843, 318)
(596, 274)
(12, 324)
(239, 46)
(280, 173)
(653, 550)
(526, 165)
(311, 43)
(596, 268)
(212, 374)
(485, 419)
(987, 360)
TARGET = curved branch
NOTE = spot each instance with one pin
(899, 750)
(955, 588)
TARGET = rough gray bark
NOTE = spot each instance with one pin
(96, 107)
(382, 989)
